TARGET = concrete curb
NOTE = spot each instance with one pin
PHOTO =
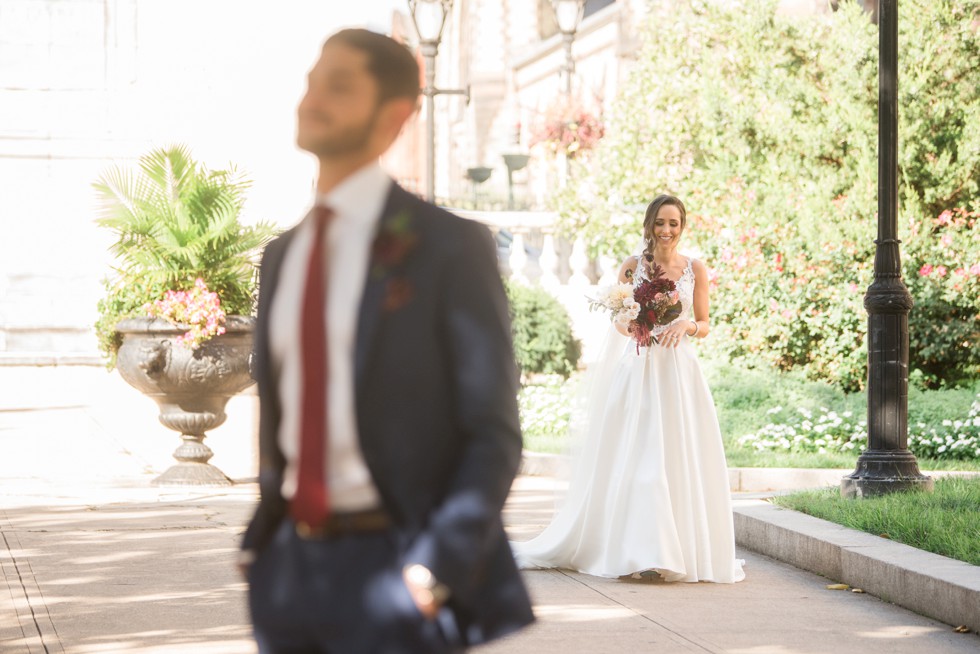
(929, 584)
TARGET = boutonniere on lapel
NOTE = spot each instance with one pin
(394, 242)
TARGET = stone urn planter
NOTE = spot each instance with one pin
(191, 387)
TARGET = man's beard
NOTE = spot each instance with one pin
(351, 140)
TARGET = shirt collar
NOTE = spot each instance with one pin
(359, 197)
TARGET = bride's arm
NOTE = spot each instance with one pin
(700, 301)
(626, 272)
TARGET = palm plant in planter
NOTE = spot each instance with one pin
(176, 318)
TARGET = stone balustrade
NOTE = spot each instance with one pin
(531, 251)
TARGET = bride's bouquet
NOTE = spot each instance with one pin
(652, 302)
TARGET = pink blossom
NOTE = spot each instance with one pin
(726, 254)
(787, 313)
(941, 271)
(975, 269)
(960, 272)
(198, 308)
(852, 287)
(945, 217)
(946, 239)
(925, 270)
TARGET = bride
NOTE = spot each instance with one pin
(649, 487)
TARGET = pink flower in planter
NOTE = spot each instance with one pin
(199, 309)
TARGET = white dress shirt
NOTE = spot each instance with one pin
(357, 204)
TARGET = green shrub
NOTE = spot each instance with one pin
(546, 411)
(543, 339)
(766, 126)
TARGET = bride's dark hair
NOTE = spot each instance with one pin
(651, 215)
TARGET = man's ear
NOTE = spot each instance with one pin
(396, 113)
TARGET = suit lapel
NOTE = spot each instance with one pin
(379, 273)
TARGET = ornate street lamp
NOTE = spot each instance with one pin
(887, 465)
(429, 17)
(568, 14)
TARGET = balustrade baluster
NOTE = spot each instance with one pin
(549, 262)
(518, 257)
(579, 261)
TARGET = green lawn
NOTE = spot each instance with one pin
(945, 522)
(740, 457)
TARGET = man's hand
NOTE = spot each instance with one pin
(427, 593)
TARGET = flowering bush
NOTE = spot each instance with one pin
(199, 309)
(942, 271)
(568, 128)
(783, 299)
(800, 432)
(951, 439)
(828, 431)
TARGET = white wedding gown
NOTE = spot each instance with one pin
(649, 486)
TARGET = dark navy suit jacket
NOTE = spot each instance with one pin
(436, 389)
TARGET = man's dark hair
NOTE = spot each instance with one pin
(389, 62)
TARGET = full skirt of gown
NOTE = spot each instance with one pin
(649, 488)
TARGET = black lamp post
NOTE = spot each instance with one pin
(887, 465)
(568, 14)
(429, 17)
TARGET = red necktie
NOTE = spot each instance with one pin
(311, 505)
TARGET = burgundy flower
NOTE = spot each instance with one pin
(398, 292)
(657, 297)
(393, 244)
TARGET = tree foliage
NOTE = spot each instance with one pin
(766, 126)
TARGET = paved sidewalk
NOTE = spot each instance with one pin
(94, 559)
(117, 566)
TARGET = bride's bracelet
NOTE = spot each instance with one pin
(697, 328)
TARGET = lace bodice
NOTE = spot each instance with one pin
(685, 288)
